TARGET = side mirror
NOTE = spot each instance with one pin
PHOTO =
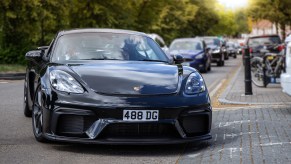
(178, 59)
(33, 55)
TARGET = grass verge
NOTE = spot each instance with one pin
(12, 68)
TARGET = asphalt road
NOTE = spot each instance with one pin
(17, 143)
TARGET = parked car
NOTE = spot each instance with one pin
(262, 44)
(194, 51)
(259, 44)
(113, 87)
(231, 49)
(160, 41)
(218, 51)
(238, 48)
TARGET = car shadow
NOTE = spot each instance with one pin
(218, 138)
(124, 150)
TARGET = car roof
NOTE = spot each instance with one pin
(207, 37)
(263, 36)
(102, 30)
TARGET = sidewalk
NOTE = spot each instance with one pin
(12, 76)
(235, 93)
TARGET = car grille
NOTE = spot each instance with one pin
(139, 130)
(71, 125)
(196, 124)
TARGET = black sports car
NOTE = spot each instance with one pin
(113, 87)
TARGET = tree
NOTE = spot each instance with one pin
(226, 24)
(276, 11)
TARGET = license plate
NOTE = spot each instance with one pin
(140, 115)
(270, 57)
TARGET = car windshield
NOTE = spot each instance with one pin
(107, 46)
(230, 45)
(186, 45)
(212, 41)
(264, 41)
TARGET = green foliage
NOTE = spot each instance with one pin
(11, 68)
(276, 11)
(27, 24)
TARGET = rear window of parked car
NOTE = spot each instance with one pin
(264, 40)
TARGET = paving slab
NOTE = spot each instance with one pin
(256, 134)
(235, 93)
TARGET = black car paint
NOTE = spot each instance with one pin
(217, 57)
(173, 103)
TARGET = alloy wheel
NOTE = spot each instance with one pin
(37, 114)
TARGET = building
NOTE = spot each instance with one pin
(265, 27)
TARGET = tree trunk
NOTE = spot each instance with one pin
(283, 30)
(277, 28)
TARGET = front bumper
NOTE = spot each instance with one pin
(216, 57)
(198, 64)
(105, 126)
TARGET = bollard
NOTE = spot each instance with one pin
(248, 77)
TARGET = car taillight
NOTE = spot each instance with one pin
(280, 48)
(251, 50)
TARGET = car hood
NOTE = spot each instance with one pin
(212, 46)
(230, 49)
(129, 78)
(186, 53)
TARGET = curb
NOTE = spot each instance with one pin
(12, 76)
(222, 99)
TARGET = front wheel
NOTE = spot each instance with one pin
(27, 111)
(209, 67)
(37, 116)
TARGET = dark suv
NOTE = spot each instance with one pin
(264, 43)
(218, 50)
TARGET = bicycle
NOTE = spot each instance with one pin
(268, 68)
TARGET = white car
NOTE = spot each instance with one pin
(286, 77)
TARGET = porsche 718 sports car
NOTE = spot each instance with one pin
(109, 86)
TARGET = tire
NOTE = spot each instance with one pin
(204, 70)
(27, 111)
(209, 67)
(219, 63)
(234, 56)
(37, 116)
(226, 57)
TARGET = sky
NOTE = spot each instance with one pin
(234, 3)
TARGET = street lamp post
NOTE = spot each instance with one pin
(248, 77)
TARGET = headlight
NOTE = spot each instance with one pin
(216, 51)
(199, 56)
(62, 81)
(195, 84)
